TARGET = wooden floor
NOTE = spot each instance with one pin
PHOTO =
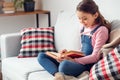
(0, 76)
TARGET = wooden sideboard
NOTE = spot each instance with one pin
(36, 12)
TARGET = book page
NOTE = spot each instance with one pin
(72, 54)
(54, 55)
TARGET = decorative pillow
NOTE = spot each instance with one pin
(114, 34)
(107, 68)
(115, 24)
(35, 40)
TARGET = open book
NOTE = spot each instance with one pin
(72, 54)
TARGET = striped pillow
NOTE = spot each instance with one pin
(35, 40)
(107, 68)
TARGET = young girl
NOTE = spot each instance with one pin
(93, 36)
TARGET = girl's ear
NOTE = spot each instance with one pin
(96, 15)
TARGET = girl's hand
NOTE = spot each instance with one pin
(61, 57)
(63, 51)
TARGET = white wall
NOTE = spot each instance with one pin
(10, 24)
(15, 23)
(109, 8)
(55, 6)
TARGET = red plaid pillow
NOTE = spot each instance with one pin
(108, 68)
(35, 40)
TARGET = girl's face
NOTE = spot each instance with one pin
(87, 19)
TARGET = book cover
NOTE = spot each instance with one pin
(72, 54)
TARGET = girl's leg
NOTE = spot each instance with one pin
(50, 64)
(72, 68)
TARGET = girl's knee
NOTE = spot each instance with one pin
(63, 65)
(41, 56)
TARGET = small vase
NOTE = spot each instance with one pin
(29, 6)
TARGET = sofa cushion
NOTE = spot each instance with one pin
(67, 31)
(35, 40)
(40, 75)
(22, 66)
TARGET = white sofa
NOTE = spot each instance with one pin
(67, 36)
(67, 29)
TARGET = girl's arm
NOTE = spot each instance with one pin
(98, 40)
(113, 44)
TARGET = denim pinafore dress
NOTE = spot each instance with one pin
(87, 47)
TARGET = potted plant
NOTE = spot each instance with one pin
(18, 4)
(29, 5)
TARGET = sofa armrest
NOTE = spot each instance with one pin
(10, 45)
